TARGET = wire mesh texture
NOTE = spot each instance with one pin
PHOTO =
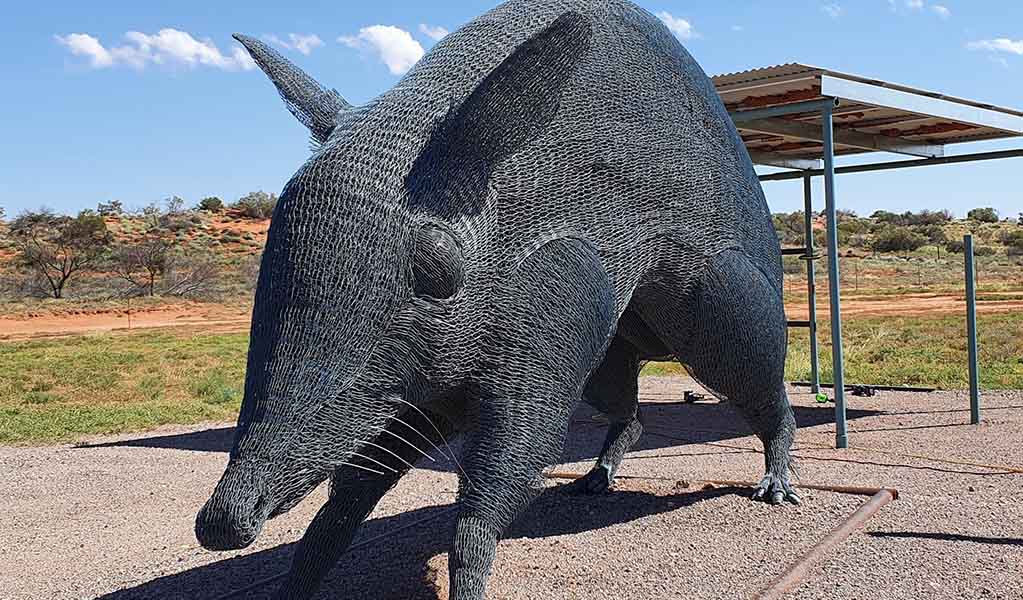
(552, 195)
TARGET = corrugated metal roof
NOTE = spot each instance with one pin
(888, 112)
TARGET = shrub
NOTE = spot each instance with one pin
(256, 205)
(984, 251)
(1013, 239)
(211, 204)
(983, 215)
(955, 247)
(897, 239)
(114, 208)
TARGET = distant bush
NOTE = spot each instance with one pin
(211, 204)
(897, 239)
(909, 218)
(1013, 239)
(983, 215)
(984, 251)
(256, 205)
(114, 208)
(955, 247)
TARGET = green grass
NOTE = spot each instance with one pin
(929, 352)
(61, 390)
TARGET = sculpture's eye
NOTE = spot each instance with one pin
(437, 266)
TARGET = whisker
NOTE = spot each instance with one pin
(355, 466)
(372, 460)
(444, 439)
(420, 434)
(410, 444)
(410, 465)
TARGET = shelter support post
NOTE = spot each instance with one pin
(971, 329)
(834, 285)
(811, 283)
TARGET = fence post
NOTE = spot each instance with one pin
(971, 329)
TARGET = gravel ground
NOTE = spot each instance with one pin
(112, 518)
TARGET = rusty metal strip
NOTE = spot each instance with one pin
(797, 572)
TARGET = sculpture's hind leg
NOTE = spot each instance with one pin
(733, 338)
(613, 389)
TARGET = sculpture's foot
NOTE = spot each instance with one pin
(597, 481)
(774, 490)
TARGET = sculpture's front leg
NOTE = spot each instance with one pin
(330, 534)
(554, 322)
(353, 495)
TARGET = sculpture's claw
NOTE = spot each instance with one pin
(775, 490)
(597, 481)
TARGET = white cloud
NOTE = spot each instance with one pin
(941, 11)
(166, 47)
(395, 47)
(998, 45)
(915, 4)
(83, 44)
(296, 41)
(434, 32)
(682, 28)
(738, 28)
(833, 10)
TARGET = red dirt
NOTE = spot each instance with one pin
(207, 316)
(235, 317)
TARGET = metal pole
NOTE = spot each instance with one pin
(811, 283)
(810, 106)
(971, 330)
(834, 286)
(897, 164)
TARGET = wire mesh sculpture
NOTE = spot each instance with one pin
(553, 195)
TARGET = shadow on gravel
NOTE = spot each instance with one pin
(396, 568)
(704, 422)
(210, 440)
(947, 537)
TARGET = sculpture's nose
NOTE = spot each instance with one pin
(233, 517)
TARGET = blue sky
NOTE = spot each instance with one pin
(151, 100)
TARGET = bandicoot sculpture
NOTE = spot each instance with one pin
(552, 195)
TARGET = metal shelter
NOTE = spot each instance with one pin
(799, 118)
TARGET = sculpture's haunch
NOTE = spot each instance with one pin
(551, 196)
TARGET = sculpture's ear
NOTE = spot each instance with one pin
(510, 107)
(312, 104)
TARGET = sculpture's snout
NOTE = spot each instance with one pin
(233, 517)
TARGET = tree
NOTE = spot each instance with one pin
(256, 205)
(175, 205)
(983, 215)
(211, 204)
(1019, 222)
(58, 247)
(142, 263)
